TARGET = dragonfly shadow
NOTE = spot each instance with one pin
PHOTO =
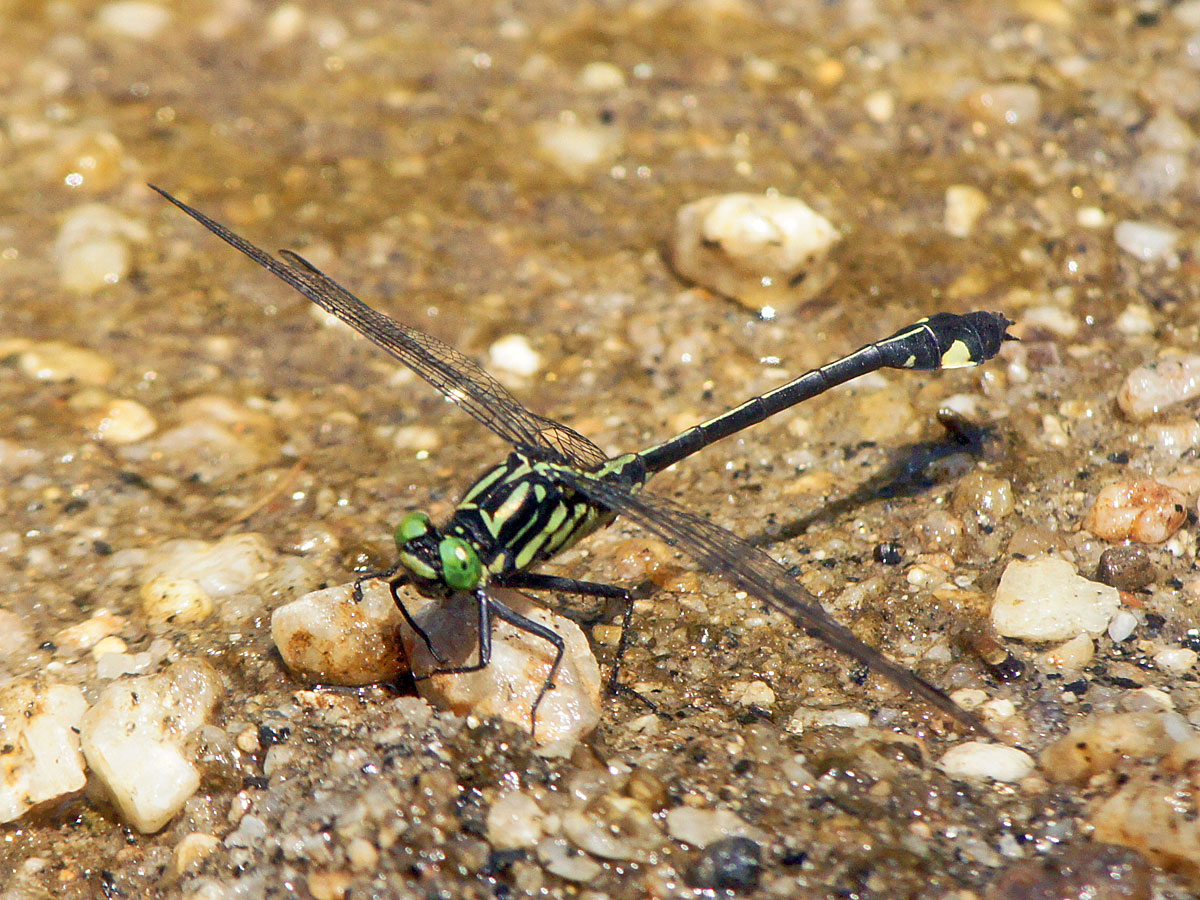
(911, 470)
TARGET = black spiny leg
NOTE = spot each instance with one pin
(537, 629)
(486, 606)
(536, 581)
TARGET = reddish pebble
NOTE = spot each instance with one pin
(1138, 509)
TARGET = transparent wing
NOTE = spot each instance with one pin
(754, 571)
(456, 376)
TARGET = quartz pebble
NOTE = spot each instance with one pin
(1149, 389)
(1044, 599)
(1157, 811)
(41, 759)
(86, 634)
(192, 850)
(508, 687)
(120, 422)
(134, 740)
(577, 149)
(1008, 103)
(16, 638)
(805, 717)
(1144, 240)
(1122, 626)
(965, 203)
(92, 248)
(1096, 744)
(977, 760)
(326, 637)
(56, 361)
(759, 249)
(1136, 509)
(221, 568)
(1070, 656)
(217, 439)
(133, 18)
(513, 354)
(514, 821)
(701, 827)
(180, 600)
(1175, 660)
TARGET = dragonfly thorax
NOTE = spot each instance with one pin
(438, 563)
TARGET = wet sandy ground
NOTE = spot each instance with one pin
(403, 148)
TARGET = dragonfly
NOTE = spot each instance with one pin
(557, 486)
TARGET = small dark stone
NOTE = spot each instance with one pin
(1078, 687)
(268, 736)
(888, 553)
(1126, 568)
(730, 864)
(1009, 669)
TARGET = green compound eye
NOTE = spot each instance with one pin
(412, 526)
(461, 569)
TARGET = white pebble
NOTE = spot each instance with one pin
(1135, 320)
(325, 637)
(120, 422)
(1150, 389)
(134, 18)
(513, 354)
(701, 827)
(578, 149)
(194, 847)
(751, 693)
(169, 598)
(16, 638)
(1010, 103)
(561, 859)
(514, 821)
(601, 77)
(86, 634)
(228, 566)
(1070, 656)
(92, 247)
(1122, 626)
(15, 458)
(56, 361)
(134, 740)
(1091, 217)
(38, 723)
(758, 249)
(976, 760)
(965, 203)
(880, 106)
(1156, 176)
(805, 717)
(1053, 319)
(1175, 660)
(1044, 599)
(1144, 240)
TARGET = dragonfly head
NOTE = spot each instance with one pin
(437, 562)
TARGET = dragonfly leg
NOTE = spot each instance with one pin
(536, 581)
(485, 606)
(385, 575)
(537, 629)
(414, 625)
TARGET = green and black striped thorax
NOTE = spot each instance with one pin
(516, 515)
